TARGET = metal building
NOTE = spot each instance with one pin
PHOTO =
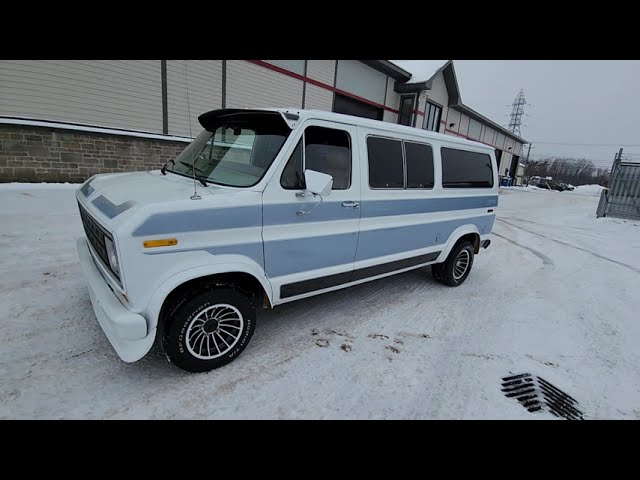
(64, 120)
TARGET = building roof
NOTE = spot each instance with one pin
(425, 71)
(389, 68)
(419, 82)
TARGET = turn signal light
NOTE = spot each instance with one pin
(165, 242)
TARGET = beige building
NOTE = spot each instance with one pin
(66, 120)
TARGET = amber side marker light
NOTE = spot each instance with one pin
(164, 242)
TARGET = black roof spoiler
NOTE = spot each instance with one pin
(209, 119)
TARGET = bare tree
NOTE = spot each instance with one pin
(576, 171)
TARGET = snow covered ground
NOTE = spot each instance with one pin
(557, 294)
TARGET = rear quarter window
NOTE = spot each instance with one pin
(465, 169)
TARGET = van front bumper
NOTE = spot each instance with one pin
(126, 331)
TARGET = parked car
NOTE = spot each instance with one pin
(564, 186)
(548, 184)
(269, 206)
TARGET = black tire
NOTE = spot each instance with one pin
(182, 345)
(446, 272)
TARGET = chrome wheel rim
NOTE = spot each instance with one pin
(214, 331)
(461, 264)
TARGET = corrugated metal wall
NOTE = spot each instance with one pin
(125, 94)
(317, 98)
(322, 70)
(250, 85)
(359, 79)
(296, 66)
(128, 94)
(205, 92)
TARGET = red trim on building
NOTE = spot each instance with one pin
(468, 138)
(319, 84)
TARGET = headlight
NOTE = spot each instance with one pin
(111, 254)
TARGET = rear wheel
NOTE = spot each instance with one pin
(455, 269)
(209, 329)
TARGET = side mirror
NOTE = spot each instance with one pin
(318, 183)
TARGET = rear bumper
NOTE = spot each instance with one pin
(126, 331)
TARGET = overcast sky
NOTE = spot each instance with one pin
(574, 102)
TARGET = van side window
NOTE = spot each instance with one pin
(326, 150)
(463, 169)
(385, 163)
(419, 158)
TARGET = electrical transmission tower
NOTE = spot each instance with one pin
(516, 113)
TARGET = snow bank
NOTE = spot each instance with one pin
(589, 189)
(38, 186)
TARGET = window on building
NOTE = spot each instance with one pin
(405, 117)
(419, 161)
(464, 169)
(326, 150)
(386, 168)
(351, 106)
(432, 115)
(475, 128)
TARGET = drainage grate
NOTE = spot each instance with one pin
(535, 393)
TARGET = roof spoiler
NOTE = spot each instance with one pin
(209, 119)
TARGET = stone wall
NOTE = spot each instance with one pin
(44, 154)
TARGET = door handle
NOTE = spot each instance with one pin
(350, 204)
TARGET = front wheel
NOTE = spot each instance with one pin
(209, 329)
(455, 269)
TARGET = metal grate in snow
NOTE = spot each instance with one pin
(535, 393)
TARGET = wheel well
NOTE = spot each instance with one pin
(244, 282)
(474, 238)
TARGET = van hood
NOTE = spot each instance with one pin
(113, 194)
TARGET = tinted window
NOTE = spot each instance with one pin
(385, 163)
(462, 169)
(327, 151)
(419, 165)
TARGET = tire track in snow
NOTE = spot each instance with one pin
(545, 260)
(597, 255)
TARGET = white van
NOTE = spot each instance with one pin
(268, 206)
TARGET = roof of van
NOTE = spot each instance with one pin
(352, 120)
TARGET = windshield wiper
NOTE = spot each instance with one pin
(163, 170)
(193, 169)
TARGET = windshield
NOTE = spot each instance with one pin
(235, 151)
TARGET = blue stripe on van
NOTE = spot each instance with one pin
(387, 241)
(283, 214)
(382, 208)
(110, 209)
(285, 257)
(201, 220)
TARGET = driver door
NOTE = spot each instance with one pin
(310, 241)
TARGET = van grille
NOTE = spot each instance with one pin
(96, 234)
